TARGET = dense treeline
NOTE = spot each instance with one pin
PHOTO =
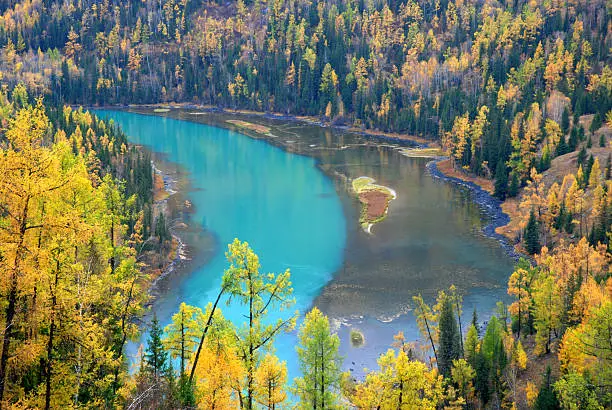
(492, 79)
(72, 205)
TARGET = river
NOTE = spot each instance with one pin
(286, 193)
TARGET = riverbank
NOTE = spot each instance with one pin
(169, 200)
(482, 190)
(418, 147)
(311, 120)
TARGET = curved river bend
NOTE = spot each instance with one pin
(297, 213)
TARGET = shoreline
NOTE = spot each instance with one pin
(180, 247)
(483, 198)
(398, 138)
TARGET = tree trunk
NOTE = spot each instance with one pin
(208, 323)
(8, 333)
(12, 300)
(50, 341)
(119, 351)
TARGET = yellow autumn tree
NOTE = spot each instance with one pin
(400, 384)
(270, 380)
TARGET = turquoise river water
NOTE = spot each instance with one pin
(287, 195)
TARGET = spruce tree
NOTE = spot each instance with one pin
(532, 236)
(546, 400)
(501, 181)
(475, 321)
(160, 229)
(515, 184)
(156, 357)
(449, 348)
(581, 157)
(596, 123)
(565, 121)
(573, 140)
(562, 147)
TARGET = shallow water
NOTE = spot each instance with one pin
(299, 217)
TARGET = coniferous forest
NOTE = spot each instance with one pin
(516, 93)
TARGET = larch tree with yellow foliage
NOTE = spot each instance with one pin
(320, 363)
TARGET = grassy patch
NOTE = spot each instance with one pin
(261, 129)
(422, 152)
(361, 183)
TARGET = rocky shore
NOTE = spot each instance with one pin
(490, 204)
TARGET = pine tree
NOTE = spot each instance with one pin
(581, 157)
(546, 400)
(532, 235)
(562, 147)
(565, 122)
(573, 140)
(156, 357)
(161, 231)
(501, 181)
(449, 347)
(515, 184)
(596, 123)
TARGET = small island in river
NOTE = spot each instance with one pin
(374, 199)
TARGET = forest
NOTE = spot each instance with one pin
(515, 92)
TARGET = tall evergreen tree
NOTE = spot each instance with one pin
(532, 235)
(475, 321)
(596, 123)
(501, 181)
(582, 156)
(565, 121)
(514, 186)
(573, 140)
(449, 344)
(156, 357)
(546, 400)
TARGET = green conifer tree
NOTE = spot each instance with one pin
(449, 344)
(501, 181)
(515, 184)
(156, 357)
(532, 235)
